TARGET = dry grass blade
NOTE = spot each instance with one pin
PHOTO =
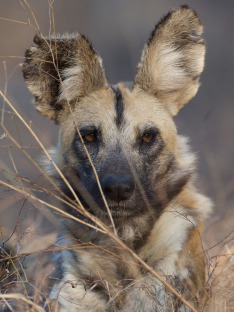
(69, 201)
(20, 297)
(42, 147)
(60, 211)
(14, 21)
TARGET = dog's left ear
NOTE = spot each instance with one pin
(173, 59)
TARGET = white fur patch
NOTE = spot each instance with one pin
(128, 233)
(167, 238)
(185, 157)
(168, 71)
(72, 296)
(71, 86)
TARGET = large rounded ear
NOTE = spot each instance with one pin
(173, 59)
(62, 69)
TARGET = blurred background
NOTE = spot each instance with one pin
(118, 30)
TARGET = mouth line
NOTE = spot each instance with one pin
(120, 210)
(119, 206)
(116, 210)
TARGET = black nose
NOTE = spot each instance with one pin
(118, 188)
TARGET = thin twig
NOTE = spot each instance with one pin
(41, 171)
(44, 150)
(62, 212)
(17, 296)
(14, 21)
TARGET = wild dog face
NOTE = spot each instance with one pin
(128, 131)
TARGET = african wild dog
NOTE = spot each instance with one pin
(145, 169)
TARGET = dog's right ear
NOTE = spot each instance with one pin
(62, 69)
(173, 59)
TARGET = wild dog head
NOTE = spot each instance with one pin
(127, 129)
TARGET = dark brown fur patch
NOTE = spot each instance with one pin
(119, 106)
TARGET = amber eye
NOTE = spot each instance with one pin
(91, 137)
(148, 137)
